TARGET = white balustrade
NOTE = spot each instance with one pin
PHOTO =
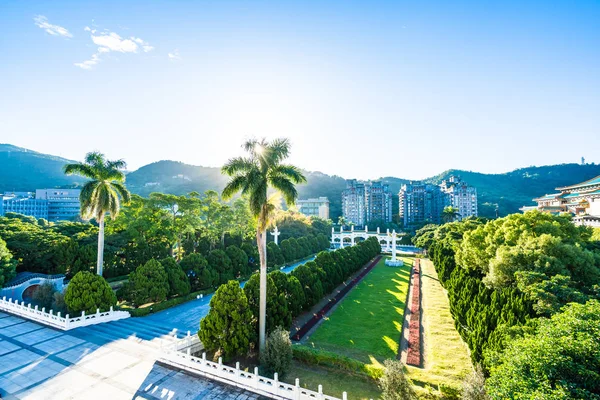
(178, 355)
(56, 320)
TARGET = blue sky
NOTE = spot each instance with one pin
(363, 89)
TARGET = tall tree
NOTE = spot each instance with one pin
(450, 214)
(253, 175)
(102, 194)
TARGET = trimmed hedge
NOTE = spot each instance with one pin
(329, 359)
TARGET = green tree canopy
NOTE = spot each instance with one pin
(561, 360)
(148, 283)
(179, 283)
(228, 325)
(88, 292)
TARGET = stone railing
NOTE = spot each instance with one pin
(179, 355)
(57, 320)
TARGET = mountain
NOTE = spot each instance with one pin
(26, 170)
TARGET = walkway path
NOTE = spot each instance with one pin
(186, 317)
(104, 361)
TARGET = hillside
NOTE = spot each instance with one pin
(26, 170)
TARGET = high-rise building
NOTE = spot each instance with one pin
(460, 196)
(366, 202)
(318, 207)
(63, 204)
(420, 203)
(24, 203)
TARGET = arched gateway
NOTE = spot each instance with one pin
(25, 283)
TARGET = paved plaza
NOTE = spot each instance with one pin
(115, 360)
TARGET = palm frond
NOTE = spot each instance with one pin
(94, 158)
(288, 171)
(235, 185)
(237, 165)
(286, 187)
(122, 191)
(84, 170)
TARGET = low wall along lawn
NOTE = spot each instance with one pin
(367, 324)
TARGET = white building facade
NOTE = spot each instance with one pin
(460, 196)
(318, 207)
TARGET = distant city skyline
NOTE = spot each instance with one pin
(362, 90)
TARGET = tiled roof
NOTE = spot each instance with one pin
(593, 181)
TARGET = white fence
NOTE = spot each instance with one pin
(58, 321)
(179, 355)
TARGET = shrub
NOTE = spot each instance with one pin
(394, 384)
(58, 303)
(321, 357)
(88, 292)
(43, 295)
(277, 305)
(7, 264)
(179, 285)
(277, 356)
(148, 283)
(199, 274)
(219, 261)
(228, 325)
(239, 261)
(473, 387)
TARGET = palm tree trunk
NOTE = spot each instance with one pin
(100, 246)
(262, 310)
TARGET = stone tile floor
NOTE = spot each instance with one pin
(38, 362)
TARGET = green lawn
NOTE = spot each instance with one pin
(447, 359)
(367, 324)
(334, 382)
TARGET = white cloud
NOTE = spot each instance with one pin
(55, 30)
(111, 42)
(174, 55)
(114, 42)
(88, 64)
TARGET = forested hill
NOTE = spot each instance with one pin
(26, 170)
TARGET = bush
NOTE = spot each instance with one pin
(394, 384)
(43, 295)
(7, 264)
(179, 285)
(219, 261)
(277, 305)
(148, 283)
(88, 292)
(277, 356)
(228, 325)
(473, 387)
(58, 303)
(199, 274)
(321, 357)
(239, 261)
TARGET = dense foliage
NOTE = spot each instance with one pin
(278, 314)
(148, 283)
(277, 356)
(228, 325)
(560, 360)
(88, 292)
(394, 384)
(190, 228)
(7, 264)
(503, 278)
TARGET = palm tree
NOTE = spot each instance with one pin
(102, 194)
(450, 214)
(252, 176)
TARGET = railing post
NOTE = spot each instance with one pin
(297, 389)
(67, 321)
(320, 396)
(97, 313)
(344, 396)
(256, 377)
(36, 308)
(189, 351)
(111, 309)
(43, 310)
(276, 379)
(237, 371)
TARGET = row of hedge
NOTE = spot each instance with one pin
(288, 296)
(158, 280)
(482, 316)
(290, 250)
